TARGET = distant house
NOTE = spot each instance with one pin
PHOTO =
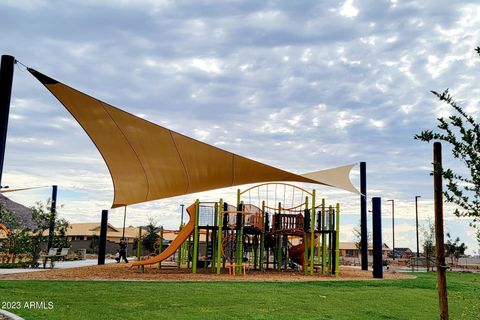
(86, 236)
(349, 249)
(403, 253)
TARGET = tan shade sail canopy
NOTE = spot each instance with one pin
(336, 177)
(149, 162)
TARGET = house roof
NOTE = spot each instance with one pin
(353, 246)
(92, 228)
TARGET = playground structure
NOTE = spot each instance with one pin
(272, 226)
(150, 162)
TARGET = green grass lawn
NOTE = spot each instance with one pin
(388, 299)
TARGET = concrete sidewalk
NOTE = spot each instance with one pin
(58, 265)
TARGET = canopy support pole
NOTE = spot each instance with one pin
(363, 216)
(377, 238)
(53, 211)
(6, 80)
(102, 243)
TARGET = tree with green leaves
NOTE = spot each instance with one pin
(453, 248)
(462, 132)
(151, 238)
(41, 216)
(18, 240)
(94, 243)
(31, 241)
(7, 218)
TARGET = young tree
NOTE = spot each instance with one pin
(151, 237)
(454, 249)
(357, 234)
(93, 246)
(462, 132)
(428, 242)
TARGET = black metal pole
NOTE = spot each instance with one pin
(416, 223)
(363, 216)
(377, 237)
(6, 81)
(439, 239)
(53, 211)
(102, 243)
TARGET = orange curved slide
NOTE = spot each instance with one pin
(297, 253)
(176, 243)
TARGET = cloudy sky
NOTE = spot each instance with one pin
(301, 85)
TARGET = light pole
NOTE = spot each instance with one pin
(181, 220)
(416, 220)
(393, 227)
(124, 219)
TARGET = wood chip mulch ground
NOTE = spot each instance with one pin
(124, 272)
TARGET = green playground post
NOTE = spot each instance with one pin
(195, 237)
(262, 239)
(337, 247)
(139, 244)
(219, 238)
(238, 197)
(312, 232)
(180, 250)
(305, 250)
(184, 249)
(160, 249)
(324, 238)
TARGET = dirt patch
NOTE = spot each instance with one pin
(124, 272)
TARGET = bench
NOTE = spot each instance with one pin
(232, 266)
(52, 255)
